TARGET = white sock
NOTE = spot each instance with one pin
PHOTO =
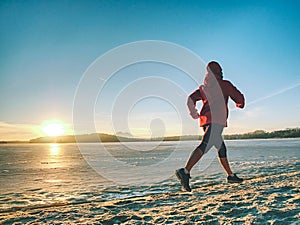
(186, 171)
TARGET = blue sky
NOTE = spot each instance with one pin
(47, 45)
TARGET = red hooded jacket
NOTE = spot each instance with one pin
(214, 94)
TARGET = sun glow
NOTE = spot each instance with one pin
(54, 129)
(54, 149)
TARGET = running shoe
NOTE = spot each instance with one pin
(184, 179)
(234, 179)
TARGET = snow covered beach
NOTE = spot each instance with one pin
(42, 183)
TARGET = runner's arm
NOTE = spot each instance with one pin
(237, 97)
(191, 103)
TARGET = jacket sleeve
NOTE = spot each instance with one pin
(237, 97)
(191, 103)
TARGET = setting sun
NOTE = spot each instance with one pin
(54, 129)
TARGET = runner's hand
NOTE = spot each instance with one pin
(195, 115)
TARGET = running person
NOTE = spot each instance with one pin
(214, 94)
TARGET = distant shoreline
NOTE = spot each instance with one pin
(93, 138)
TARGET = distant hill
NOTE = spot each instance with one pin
(124, 134)
(177, 138)
(95, 137)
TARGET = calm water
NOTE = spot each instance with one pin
(35, 176)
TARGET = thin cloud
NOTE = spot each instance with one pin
(274, 94)
(9, 132)
(269, 96)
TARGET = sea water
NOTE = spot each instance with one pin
(41, 176)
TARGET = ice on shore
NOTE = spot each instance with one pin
(40, 186)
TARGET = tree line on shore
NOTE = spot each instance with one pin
(258, 134)
(261, 134)
(96, 137)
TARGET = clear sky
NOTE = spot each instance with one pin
(47, 45)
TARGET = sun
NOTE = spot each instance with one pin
(54, 129)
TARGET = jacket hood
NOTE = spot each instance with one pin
(211, 80)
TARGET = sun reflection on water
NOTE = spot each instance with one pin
(55, 156)
(54, 149)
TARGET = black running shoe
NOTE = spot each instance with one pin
(234, 179)
(184, 179)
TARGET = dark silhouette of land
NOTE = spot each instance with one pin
(258, 134)
(84, 138)
(261, 134)
(96, 137)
